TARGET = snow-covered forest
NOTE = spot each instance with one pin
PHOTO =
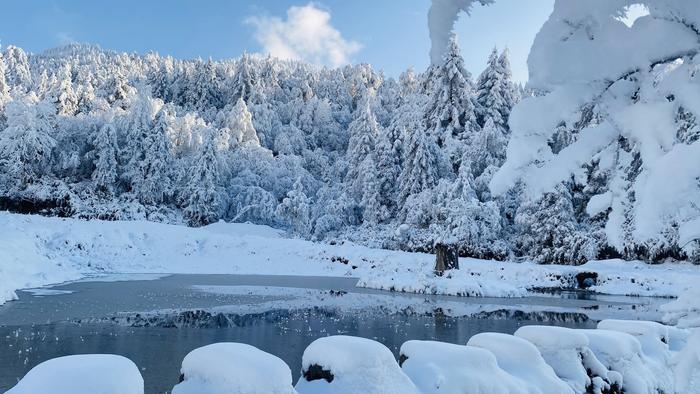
(595, 159)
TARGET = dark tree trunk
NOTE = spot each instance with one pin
(446, 258)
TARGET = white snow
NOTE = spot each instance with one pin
(438, 367)
(522, 360)
(687, 366)
(233, 368)
(653, 338)
(562, 349)
(684, 311)
(622, 353)
(37, 251)
(358, 365)
(82, 374)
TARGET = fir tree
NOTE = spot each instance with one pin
(105, 174)
(202, 193)
(495, 91)
(451, 112)
(295, 209)
(154, 183)
(27, 142)
(363, 131)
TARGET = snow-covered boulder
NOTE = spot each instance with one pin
(233, 368)
(82, 374)
(342, 364)
(654, 339)
(623, 353)
(438, 367)
(522, 360)
(567, 352)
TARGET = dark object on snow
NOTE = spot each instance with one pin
(446, 258)
(316, 372)
(586, 280)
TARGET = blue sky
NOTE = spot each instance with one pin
(389, 34)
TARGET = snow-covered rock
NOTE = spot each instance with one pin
(82, 374)
(233, 368)
(343, 364)
(522, 360)
(438, 367)
(622, 352)
(654, 339)
(567, 352)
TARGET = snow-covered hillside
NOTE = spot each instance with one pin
(36, 251)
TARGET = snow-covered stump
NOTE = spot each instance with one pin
(446, 258)
(567, 352)
(438, 367)
(622, 353)
(654, 339)
(350, 365)
(82, 374)
(521, 359)
(233, 368)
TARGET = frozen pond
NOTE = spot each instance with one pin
(155, 321)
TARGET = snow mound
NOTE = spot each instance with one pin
(567, 352)
(687, 366)
(622, 353)
(82, 374)
(438, 367)
(343, 364)
(233, 368)
(522, 360)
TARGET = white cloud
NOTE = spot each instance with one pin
(307, 34)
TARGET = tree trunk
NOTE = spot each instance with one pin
(446, 258)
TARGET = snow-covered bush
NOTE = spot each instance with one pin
(438, 367)
(342, 364)
(522, 360)
(233, 368)
(82, 374)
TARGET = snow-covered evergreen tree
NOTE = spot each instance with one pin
(363, 131)
(153, 185)
(105, 174)
(202, 194)
(240, 122)
(27, 142)
(451, 113)
(295, 209)
(495, 93)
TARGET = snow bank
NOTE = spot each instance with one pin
(233, 368)
(687, 366)
(36, 251)
(438, 367)
(342, 364)
(522, 360)
(567, 352)
(685, 311)
(622, 353)
(83, 374)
